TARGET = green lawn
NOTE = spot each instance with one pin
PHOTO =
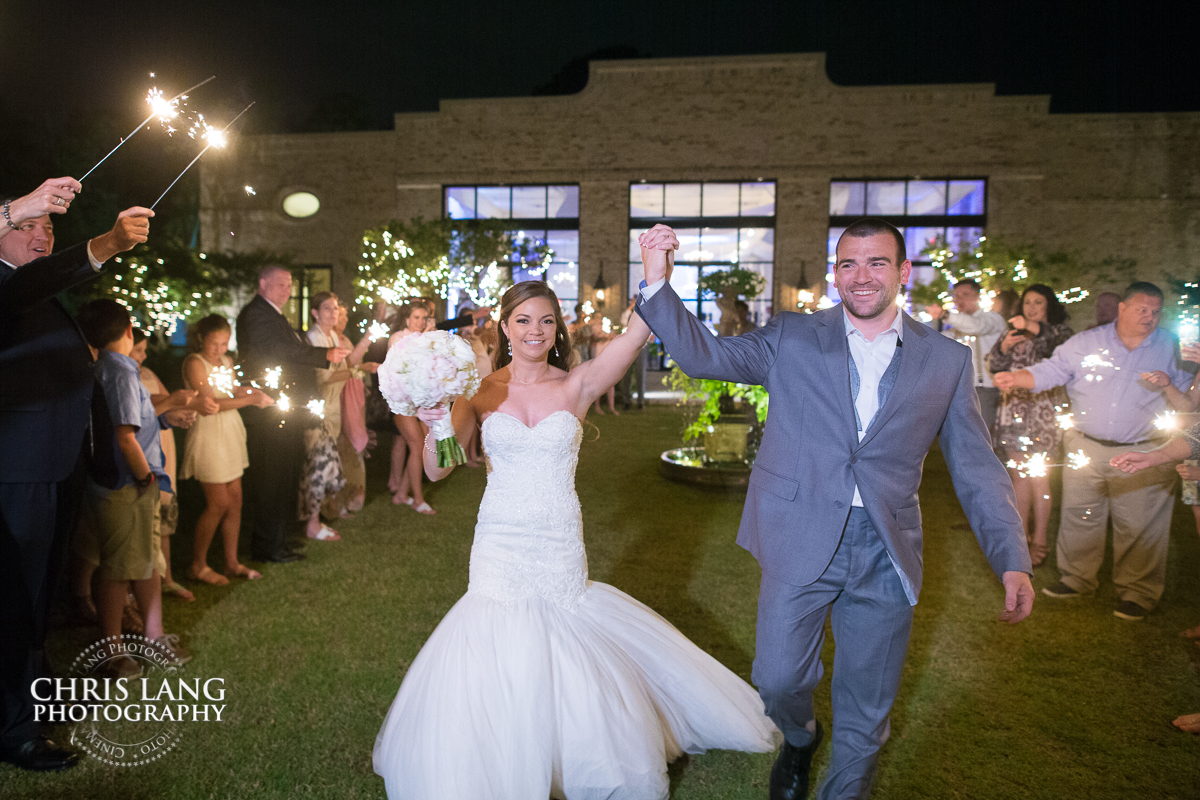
(1072, 703)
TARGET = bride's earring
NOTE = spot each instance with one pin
(510, 347)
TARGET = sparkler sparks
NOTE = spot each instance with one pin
(221, 380)
(1167, 421)
(317, 407)
(165, 110)
(377, 330)
(1036, 465)
(250, 191)
(214, 137)
(272, 378)
(284, 404)
(1065, 421)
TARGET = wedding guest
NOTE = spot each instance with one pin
(407, 471)
(1181, 446)
(1107, 304)
(1114, 409)
(275, 442)
(43, 424)
(1026, 424)
(122, 515)
(979, 330)
(1007, 304)
(640, 364)
(352, 435)
(323, 471)
(166, 516)
(600, 340)
(214, 452)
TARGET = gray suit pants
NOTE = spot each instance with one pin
(871, 619)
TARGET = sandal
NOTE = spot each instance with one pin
(326, 534)
(173, 588)
(424, 508)
(1037, 553)
(208, 575)
(407, 501)
(242, 571)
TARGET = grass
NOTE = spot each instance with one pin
(1071, 703)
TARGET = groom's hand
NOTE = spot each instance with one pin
(658, 252)
(1018, 597)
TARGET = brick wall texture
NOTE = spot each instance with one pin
(1103, 185)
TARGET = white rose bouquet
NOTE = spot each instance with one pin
(426, 370)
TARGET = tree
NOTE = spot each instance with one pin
(999, 265)
(423, 258)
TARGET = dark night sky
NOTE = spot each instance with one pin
(89, 56)
(75, 70)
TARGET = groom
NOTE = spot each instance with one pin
(858, 393)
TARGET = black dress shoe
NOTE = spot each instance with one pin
(40, 755)
(282, 558)
(789, 776)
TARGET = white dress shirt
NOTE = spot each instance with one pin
(978, 331)
(872, 359)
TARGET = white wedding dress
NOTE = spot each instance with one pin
(539, 683)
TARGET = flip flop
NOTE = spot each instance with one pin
(173, 588)
(408, 501)
(424, 508)
(326, 534)
(244, 572)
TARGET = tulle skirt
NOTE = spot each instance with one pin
(532, 699)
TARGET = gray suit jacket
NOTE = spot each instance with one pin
(810, 459)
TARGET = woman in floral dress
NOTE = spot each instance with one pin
(1027, 425)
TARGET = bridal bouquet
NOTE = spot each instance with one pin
(426, 370)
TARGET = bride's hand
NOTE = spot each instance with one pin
(429, 415)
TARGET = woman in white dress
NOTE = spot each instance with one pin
(538, 682)
(214, 452)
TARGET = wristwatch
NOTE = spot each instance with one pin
(144, 483)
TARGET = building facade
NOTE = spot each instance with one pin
(758, 159)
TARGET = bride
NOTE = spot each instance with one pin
(540, 683)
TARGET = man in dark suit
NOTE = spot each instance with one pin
(45, 399)
(858, 394)
(275, 441)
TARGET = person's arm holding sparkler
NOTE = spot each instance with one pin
(194, 373)
(1177, 449)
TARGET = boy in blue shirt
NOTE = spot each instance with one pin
(121, 513)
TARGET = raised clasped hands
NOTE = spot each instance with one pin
(658, 252)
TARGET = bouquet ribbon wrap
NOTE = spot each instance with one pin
(449, 451)
(427, 370)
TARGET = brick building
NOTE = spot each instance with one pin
(757, 159)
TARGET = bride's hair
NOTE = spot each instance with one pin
(560, 354)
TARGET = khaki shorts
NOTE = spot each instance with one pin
(117, 532)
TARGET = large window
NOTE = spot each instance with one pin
(719, 224)
(924, 209)
(544, 214)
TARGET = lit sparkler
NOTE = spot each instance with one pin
(221, 380)
(284, 404)
(1167, 421)
(214, 137)
(317, 407)
(165, 110)
(1036, 465)
(272, 378)
(1065, 421)
(378, 330)
(250, 191)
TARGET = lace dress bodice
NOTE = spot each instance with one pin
(529, 537)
